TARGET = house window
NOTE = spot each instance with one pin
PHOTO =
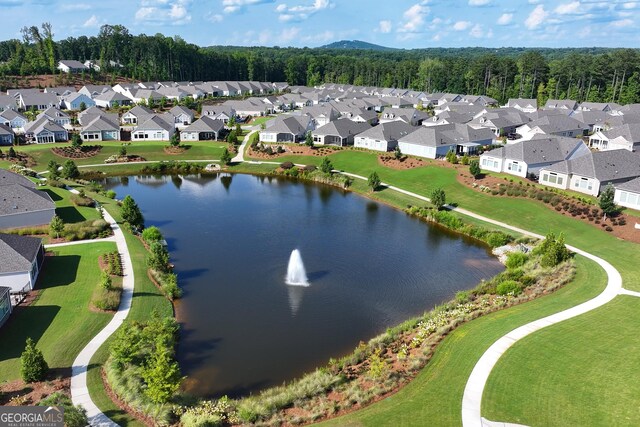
(629, 198)
(553, 178)
(490, 163)
(514, 167)
(584, 184)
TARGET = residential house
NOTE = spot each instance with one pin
(528, 158)
(524, 105)
(557, 124)
(410, 116)
(37, 100)
(563, 104)
(597, 120)
(22, 259)
(44, 130)
(287, 129)
(203, 129)
(339, 132)
(8, 103)
(627, 194)
(90, 113)
(71, 66)
(590, 173)
(227, 88)
(60, 91)
(94, 90)
(483, 100)
(136, 115)
(383, 137)
(7, 136)
(154, 128)
(182, 115)
(218, 112)
(21, 205)
(321, 114)
(13, 119)
(57, 116)
(75, 101)
(436, 141)
(625, 137)
(173, 93)
(249, 107)
(110, 99)
(607, 107)
(501, 121)
(101, 128)
(5, 304)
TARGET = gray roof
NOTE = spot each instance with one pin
(451, 134)
(296, 125)
(8, 177)
(155, 122)
(542, 150)
(391, 131)
(39, 98)
(523, 103)
(140, 110)
(72, 63)
(556, 123)
(179, 109)
(7, 101)
(110, 96)
(630, 133)
(632, 186)
(18, 252)
(205, 124)
(15, 198)
(561, 103)
(605, 166)
(6, 130)
(10, 115)
(43, 123)
(342, 128)
(102, 123)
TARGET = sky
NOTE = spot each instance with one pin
(398, 23)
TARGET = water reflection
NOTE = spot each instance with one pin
(226, 181)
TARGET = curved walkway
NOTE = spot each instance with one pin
(239, 158)
(79, 390)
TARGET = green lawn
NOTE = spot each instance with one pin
(60, 320)
(434, 397)
(150, 150)
(260, 120)
(66, 210)
(580, 372)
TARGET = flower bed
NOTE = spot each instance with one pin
(83, 152)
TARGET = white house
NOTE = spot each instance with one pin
(625, 137)
(287, 129)
(44, 131)
(339, 132)
(71, 66)
(383, 137)
(5, 304)
(136, 115)
(524, 105)
(13, 119)
(101, 128)
(628, 194)
(203, 129)
(22, 258)
(76, 100)
(154, 128)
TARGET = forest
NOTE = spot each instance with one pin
(596, 74)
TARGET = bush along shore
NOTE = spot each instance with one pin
(149, 384)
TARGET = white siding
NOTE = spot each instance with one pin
(627, 199)
(553, 179)
(585, 185)
(489, 163)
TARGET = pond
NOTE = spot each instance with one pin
(369, 266)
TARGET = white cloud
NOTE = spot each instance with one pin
(174, 12)
(630, 5)
(477, 31)
(536, 17)
(233, 6)
(505, 19)
(414, 18)
(91, 22)
(214, 17)
(301, 13)
(384, 27)
(479, 2)
(461, 25)
(569, 8)
(622, 23)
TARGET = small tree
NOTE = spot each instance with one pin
(452, 157)
(254, 139)
(70, 170)
(553, 250)
(11, 153)
(76, 141)
(238, 129)
(123, 151)
(606, 202)
(232, 138)
(158, 257)
(56, 226)
(232, 122)
(163, 102)
(438, 198)
(83, 106)
(465, 159)
(373, 181)
(474, 168)
(105, 280)
(225, 157)
(151, 234)
(131, 212)
(308, 140)
(33, 367)
(397, 153)
(53, 168)
(175, 139)
(326, 166)
(161, 374)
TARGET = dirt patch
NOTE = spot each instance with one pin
(19, 158)
(176, 150)
(622, 226)
(83, 152)
(47, 80)
(17, 393)
(404, 162)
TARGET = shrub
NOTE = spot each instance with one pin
(286, 165)
(474, 168)
(326, 166)
(90, 229)
(131, 213)
(509, 287)
(74, 416)
(225, 157)
(80, 200)
(552, 250)
(516, 259)
(110, 194)
(33, 367)
(151, 234)
(373, 181)
(70, 170)
(496, 239)
(158, 257)
(56, 226)
(438, 197)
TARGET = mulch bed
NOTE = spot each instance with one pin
(175, 150)
(17, 393)
(21, 158)
(84, 152)
(405, 162)
(131, 158)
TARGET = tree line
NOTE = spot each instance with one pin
(595, 74)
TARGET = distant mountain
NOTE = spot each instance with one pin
(354, 44)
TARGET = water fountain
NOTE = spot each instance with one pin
(296, 274)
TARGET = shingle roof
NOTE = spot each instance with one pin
(205, 124)
(17, 252)
(342, 128)
(605, 166)
(632, 186)
(542, 150)
(8, 177)
(391, 131)
(15, 198)
(155, 122)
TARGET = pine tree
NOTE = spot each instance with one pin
(374, 181)
(438, 198)
(131, 213)
(56, 226)
(53, 167)
(474, 168)
(225, 157)
(33, 367)
(326, 166)
(308, 140)
(70, 170)
(606, 200)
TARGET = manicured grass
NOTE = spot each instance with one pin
(434, 397)
(260, 120)
(66, 210)
(579, 372)
(150, 150)
(60, 320)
